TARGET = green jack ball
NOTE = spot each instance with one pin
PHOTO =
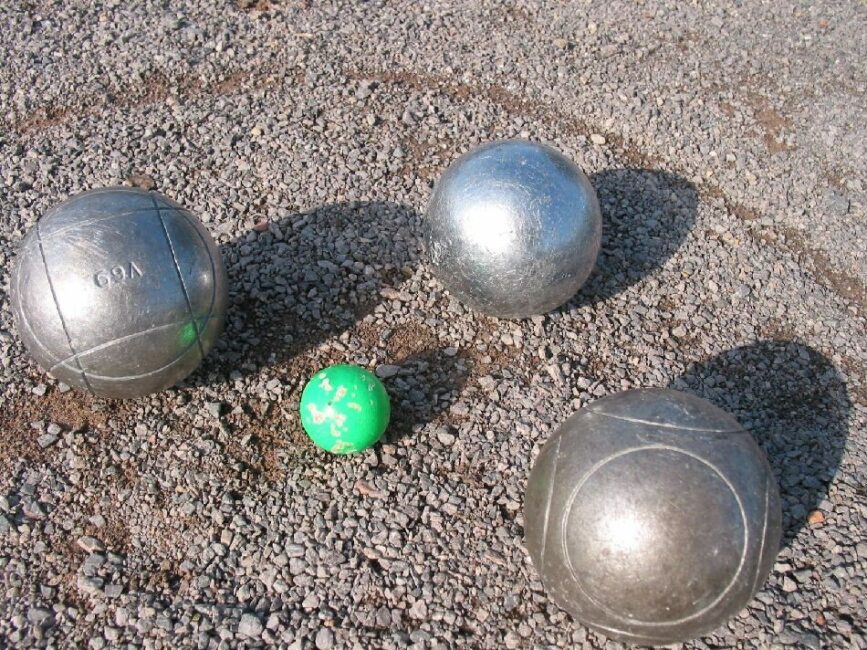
(344, 409)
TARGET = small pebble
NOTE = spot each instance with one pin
(385, 371)
(90, 544)
(250, 626)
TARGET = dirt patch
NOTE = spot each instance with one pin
(114, 534)
(841, 283)
(496, 357)
(844, 284)
(772, 124)
(409, 340)
(777, 330)
(858, 391)
(418, 158)
(155, 89)
(73, 411)
(686, 40)
(230, 84)
(744, 213)
(837, 180)
(518, 14)
(262, 432)
(254, 5)
(513, 104)
(367, 333)
(47, 116)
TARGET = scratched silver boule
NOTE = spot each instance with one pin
(119, 291)
(513, 229)
(652, 516)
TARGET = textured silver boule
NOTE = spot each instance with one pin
(513, 229)
(119, 291)
(652, 516)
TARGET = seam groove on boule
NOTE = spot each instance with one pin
(180, 277)
(22, 315)
(60, 313)
(744, 544)
(36, 340)
(150, 373)
(657, 639)
(87, 222)
(663, 425)
(120, 339)
(188, 218)
(760, 558)
(207, 319)
(548, 507)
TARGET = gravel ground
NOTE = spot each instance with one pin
(727, 144)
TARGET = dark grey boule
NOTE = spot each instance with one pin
(652, 516)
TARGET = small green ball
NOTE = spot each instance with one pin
(344, 409)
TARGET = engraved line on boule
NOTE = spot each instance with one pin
(171, 363)
(121, 339)
(180, 276)
(22, 316)
(628, 620)
(105, 217)
(36, 340)
(59, 313)
(760, 561)
(189, 219)
(662, 425)
(644, 634)
(548, 507)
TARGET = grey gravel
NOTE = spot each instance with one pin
(726, 142)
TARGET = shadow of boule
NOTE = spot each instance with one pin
(305, 278)
(795, 403)
(646, 216)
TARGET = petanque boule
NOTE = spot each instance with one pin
(652, 516)
(513, 229)
(344, 409)
(119, 291)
